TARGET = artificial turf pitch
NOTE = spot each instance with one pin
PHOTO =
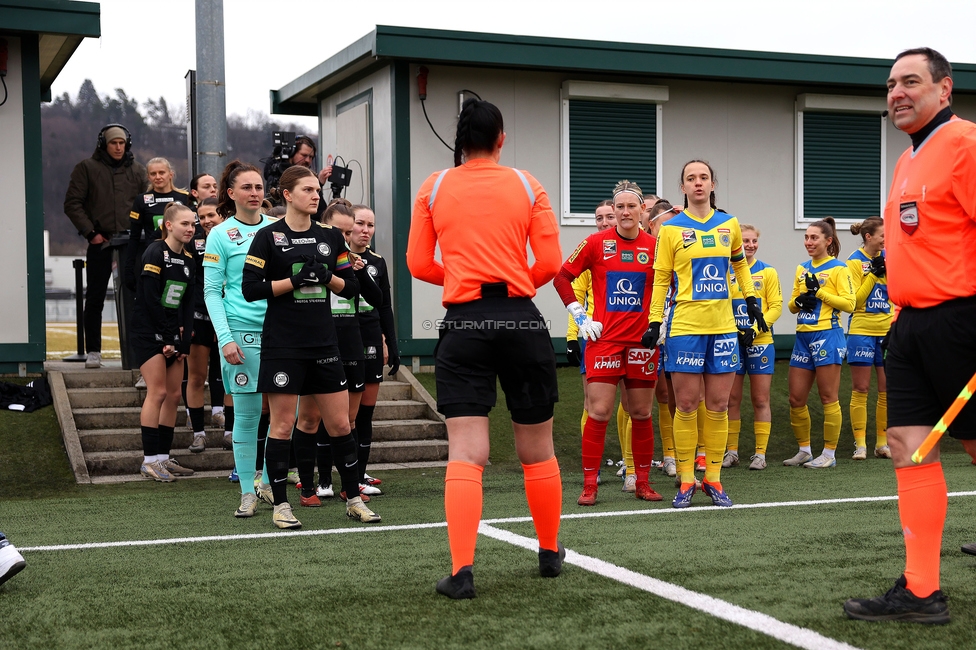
(353, 586)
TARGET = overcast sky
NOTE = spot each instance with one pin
(146, 46)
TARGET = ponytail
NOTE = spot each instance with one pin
(828, 227)
(479, 125)
(226, 206)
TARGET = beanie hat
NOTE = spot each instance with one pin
(113, 133)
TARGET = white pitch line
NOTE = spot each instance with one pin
(756, 621)
(499, 520)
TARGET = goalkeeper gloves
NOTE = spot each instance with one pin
(589, 329)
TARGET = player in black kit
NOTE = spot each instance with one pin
(162, 324)
(294, 264)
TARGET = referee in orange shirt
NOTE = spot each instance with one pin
(930, 241)
(481, 214)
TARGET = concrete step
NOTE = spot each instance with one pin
(400, 451)
(97, 440)
(122, 417)
(394, 390)
(399, 430)
(106, 397)
(106, 463)
(402, 409)
(101, 378)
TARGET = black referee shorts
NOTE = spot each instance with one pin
(931, 356)
(496, 338)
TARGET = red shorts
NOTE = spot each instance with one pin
(611, 362)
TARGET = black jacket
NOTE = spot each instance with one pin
(101, 192)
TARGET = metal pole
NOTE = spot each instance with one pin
(211, 100)
(78, 265)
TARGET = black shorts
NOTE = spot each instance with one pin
(203, 333)
(503, 338)
(355, 372)
(373, 351)
(931, 356)
(144, 347)
(308, 376)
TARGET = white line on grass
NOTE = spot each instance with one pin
(441, 524)
(757, 621)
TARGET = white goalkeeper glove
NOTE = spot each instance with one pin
(589, 329)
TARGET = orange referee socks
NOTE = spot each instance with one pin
(462, 506)
(922, 503)
(544, 493)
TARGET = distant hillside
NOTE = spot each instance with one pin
(70, 128)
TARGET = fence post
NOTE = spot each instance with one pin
(79, 265)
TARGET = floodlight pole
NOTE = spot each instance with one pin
(211, 103)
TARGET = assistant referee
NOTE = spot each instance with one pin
(930, 240)
(481, 214)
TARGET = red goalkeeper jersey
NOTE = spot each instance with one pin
(623, 278)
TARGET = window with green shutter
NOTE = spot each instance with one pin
(841, 166)
(610, 132)
(608, 142)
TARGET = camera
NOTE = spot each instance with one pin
(283, 143)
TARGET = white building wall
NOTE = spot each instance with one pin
(13, 220)
(746, 131)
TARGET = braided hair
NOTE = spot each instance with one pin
(711, 172)
(479, 125)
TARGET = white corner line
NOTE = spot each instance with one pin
(756, 621)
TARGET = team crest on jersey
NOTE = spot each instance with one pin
(281, 379)
(724, 239)
(688, 237)
(186, 271)
(757, 285)
(324, 249)
(643, 258)
(234, 234)
(609, 247)
(279, 239)
(241, 379)
(373, 271)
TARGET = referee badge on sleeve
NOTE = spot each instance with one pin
(908, 216)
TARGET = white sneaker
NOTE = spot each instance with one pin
(884, 451)
(369, 490)
(11, 561)
(800, 458)
(630, 483)
(93, 360)
(141, 382)
(758, 462)
(860, 453)
(821, 462)
(623, 469)
(731, 459)
(669, 467)
(326, 491)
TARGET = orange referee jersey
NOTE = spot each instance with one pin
(481, 215)
(930, 219)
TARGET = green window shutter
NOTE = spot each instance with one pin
(608, 142)
(841, 165)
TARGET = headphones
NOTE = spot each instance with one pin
(101, 136)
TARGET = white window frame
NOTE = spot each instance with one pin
(835, 104)
(604, 92)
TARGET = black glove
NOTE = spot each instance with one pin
(878, 266)
(393, 360)
(573, 352)
(806, 302)
(746, 337)
(651, 336)
(812, 283)
(755, 314)
(312, 272)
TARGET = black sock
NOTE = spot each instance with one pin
(293, 457)
(196, 418)
(323, 446)
(263, 425)
(277, 456)
(165, 439)
(216, 382)
(150, 441)
(347, 462)
(229, 418)
(304, 444)
(364, 430)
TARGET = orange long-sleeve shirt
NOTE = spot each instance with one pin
(481, 214)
